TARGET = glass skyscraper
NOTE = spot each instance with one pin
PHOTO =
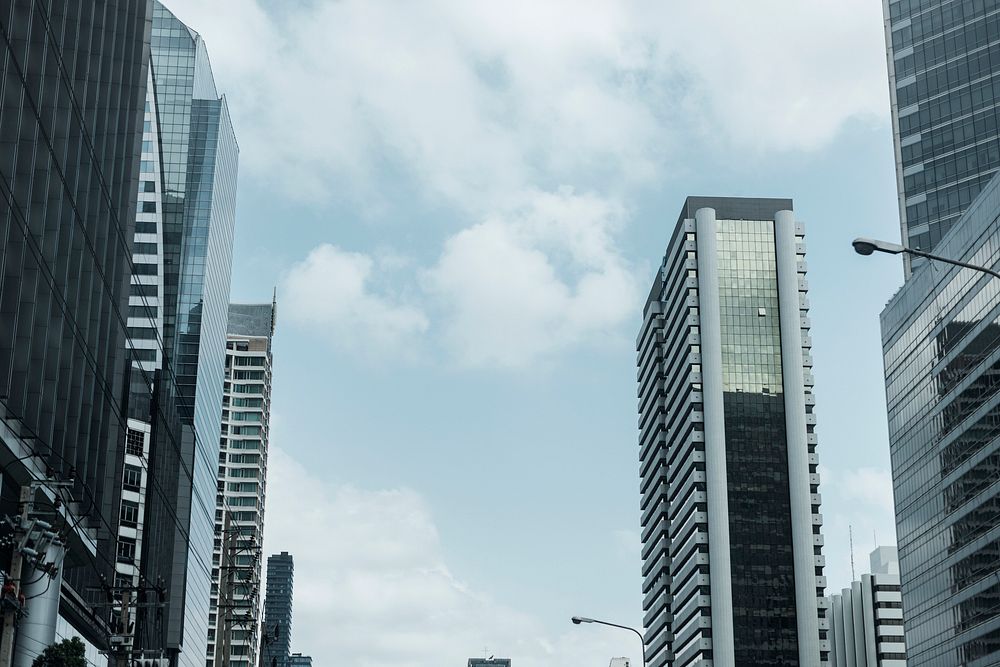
(944, 85)
(74, 76)
(941, 344)
(731, 540)
(178, 312)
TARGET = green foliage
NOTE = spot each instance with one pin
(67, 653)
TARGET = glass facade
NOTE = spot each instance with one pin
(69, 160)
(941, 343)
(760, 530)
(944, 82)
(723, 516)
(188, 186)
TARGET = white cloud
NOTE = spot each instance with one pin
(483, 110)
(533, 281)
(335, 293)
(780, 75)
(479, 100)
(372, 588)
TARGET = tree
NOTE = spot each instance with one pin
(67, 653)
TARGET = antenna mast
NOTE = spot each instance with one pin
(850, 535)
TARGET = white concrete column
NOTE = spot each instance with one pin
(807, 615)
(851, 653)
(861, 656)
(37, 630)
(837, 650)
(710, 323)
(868, 615)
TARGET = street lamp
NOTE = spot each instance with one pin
(864, 246)
(577, 620)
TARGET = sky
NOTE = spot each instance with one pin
(462, 206)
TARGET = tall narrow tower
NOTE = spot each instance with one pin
(731, 553)
(278, 610)
(178, 303)
(239, 503)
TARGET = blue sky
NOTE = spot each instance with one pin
(462, 206)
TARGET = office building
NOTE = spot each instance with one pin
(178, 312)
(299, 660)
(489, 662)
(69, 160)
(731, 529)
(941, 347)
(944, 75)
(278, 609)
(866, 620)
(239, 503)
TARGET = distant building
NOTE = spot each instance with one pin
(732, 558)
(941, 349)
(866, 620)
(278, 609)
(619, 662)
(299, 660)
(489, 662)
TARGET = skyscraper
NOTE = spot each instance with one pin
(278, 609)
(944, 86)
(941, 347)
(866, 620)
(732, 548)
(70, 130)
(239, 503)
(178, 310)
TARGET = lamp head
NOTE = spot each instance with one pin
(577, 620)
(864, 246)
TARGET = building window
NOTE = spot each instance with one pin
(149, 207)
(149, 186)
(134, 442)
(130, 514)
(133, 478)
(126, 550)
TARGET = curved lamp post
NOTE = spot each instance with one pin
(864, 246)
(577, 620)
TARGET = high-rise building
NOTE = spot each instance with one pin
(239, 503)
(299, 660)
(177, 318)
(278, 609)
(731, 539)
(941, 347)
(944, 86)
(866, 620)
(70, 130)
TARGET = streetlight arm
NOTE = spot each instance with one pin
(642, 640)
(623, 627)
(955, 262)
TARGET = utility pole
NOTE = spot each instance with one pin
(121, 649)
(11, 605)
